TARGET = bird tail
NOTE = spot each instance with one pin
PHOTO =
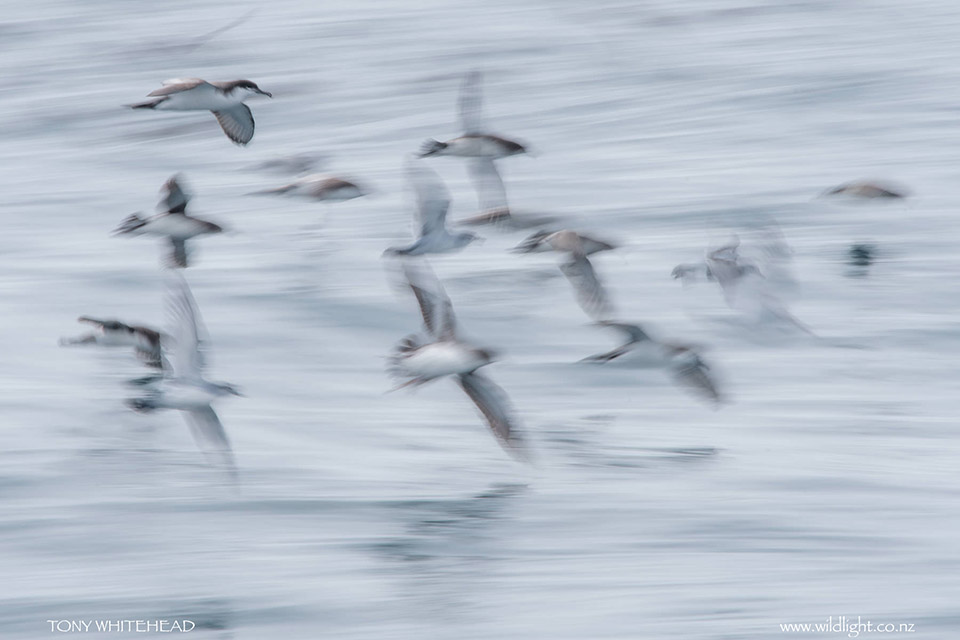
(431, 146)
(148, 104)
(141, 405)
(130, 224)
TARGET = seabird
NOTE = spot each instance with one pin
(746, 286)
(224, 99)
(172, 222)
(591, 295)
(481, 149)
(728, 268)
(113, 333)
(319, 187)
(867, 190)
(433, 202)
(418, 361)
(183, 386)
(683, 361)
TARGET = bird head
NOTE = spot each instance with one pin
(251, 87)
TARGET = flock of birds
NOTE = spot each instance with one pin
(439, 351)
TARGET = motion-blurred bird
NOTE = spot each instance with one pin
(224, 99)
(319, 187)
(183, 386)
(172, 223)
(433, 202)
(419, 361)
(683, 361)
(482, 149)
(591, 294)
(751, 287)
(113, 333)
(867, 190)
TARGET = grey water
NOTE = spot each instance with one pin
(827, 486)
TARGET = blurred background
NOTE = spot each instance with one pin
(827, 485)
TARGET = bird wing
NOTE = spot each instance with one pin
(694, 374)
(209, 435)
(186, 329)
(471, 103)
(433, 199)
(591, 296)
(495, 407)
(178, 253)
(174, 199)
(176, 85)
(237, 122)
(94, 321)
(634, 333)
(489, 185)
(435, 306)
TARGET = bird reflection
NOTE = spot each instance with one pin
(448, 547)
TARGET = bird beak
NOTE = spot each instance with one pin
(266, 93)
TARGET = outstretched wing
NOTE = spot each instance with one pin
(491, 193)
(495, 407)
(174, 198)
(210, 437)
(633, 332)
(177, 85)
(471, 103)
(591, 295)
(435, 306)
(178, 253)
(433, 199)
(237, 122)
(185, 329)
(694, 374)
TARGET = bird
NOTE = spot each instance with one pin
(114, 333)
(417, 360)
(867, 190)
(683, 361)
(748, 286)
(591, 294)
(172, 222)
(319, 187)
(482, 149)
(183, 386)
(224, 99)
(727, 267)
(433, 202)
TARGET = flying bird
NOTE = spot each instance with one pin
(114, 333)
(867, 190)
(319, 187)
(590, 292)
(417, 360)
(683, 361)
(224, 99)
(183, 386)
(172, 223)
(433, 202)
(752, 286)
(482, 149)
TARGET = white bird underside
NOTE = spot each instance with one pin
(439, 359)
(446, 355)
